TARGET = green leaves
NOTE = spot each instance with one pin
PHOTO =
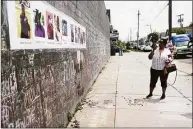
(179, 31)
(121, 44)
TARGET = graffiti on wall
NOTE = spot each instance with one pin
(39, 89)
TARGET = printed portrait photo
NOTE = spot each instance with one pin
(57, 28)
(72, 32)
(79, 35)
(23, 20)
(84, 38)
(76, 34)
(49, 24)
(39, 21)
(64, 28)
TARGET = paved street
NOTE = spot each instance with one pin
(185, 64)
(117, 97)
(187, 60)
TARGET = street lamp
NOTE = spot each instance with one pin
(150, 28)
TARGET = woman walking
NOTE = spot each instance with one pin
(161, 56)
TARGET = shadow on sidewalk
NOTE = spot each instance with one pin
(187, 115)
(151, 100)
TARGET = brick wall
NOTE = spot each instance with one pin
(40, 87)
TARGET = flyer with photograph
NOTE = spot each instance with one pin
(38, 25)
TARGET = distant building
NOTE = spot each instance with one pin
(114, 34)
(108, 12)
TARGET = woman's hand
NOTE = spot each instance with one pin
(150, 56)
(169, 60)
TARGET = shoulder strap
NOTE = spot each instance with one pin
(174, 80)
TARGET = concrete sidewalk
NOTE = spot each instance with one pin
(117, 98)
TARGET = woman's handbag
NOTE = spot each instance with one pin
(170, 68)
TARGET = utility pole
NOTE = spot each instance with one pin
(180, 20)
(170, 19)
(138, 30)
(130, 34)
(150, 28)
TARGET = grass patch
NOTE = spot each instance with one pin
(70, 116)
(127, 51)
(135, 50)
(78, 107)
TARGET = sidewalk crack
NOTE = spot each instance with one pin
(116, 96)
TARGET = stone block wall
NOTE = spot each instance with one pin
(40, 87)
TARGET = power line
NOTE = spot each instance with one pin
(151, 10)
(160, 12)
(153, 7)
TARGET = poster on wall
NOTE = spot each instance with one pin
(50, 26)
(38, 25)
(64, 31)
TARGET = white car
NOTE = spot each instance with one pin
(147, 49)
(142, 47)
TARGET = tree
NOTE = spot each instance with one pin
(153, 37)
(179, 31)
(191, 24)
(128, 44)
(121, 44)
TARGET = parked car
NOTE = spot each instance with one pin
(147, 48)
(181, 45)
(131, 47)
(135, 45)
(142, 47)
(138, 47)
(190, 46)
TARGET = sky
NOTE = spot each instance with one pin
(124, 16)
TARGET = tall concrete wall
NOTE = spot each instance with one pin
(40, 87)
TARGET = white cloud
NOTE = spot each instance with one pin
(124, 16)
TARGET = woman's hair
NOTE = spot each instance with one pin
(64, 22)
(37, 16)
(57, 19)
(22, 6)
(58, 23)
(163, 41)
(49, 17)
